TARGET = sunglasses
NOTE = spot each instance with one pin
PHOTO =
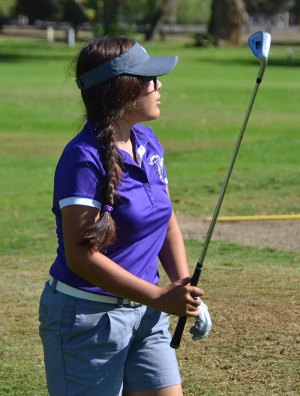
(154, 79)
(148, 80)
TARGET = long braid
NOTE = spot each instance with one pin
(112, 164)
(103, 232)
(105, 105)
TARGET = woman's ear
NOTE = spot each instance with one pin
(130, 107)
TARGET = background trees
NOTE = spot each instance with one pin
(224, 18)
(6, 9)
(269, 7)
(227, 19)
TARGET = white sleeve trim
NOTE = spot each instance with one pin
(79, 201)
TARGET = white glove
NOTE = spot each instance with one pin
(202, 325)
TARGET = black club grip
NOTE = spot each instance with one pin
(175, 343)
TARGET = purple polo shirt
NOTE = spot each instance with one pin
(141, 216)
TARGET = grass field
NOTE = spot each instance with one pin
(253, 294)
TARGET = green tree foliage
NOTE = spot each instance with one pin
(268, 7)
(224, 17)
(159, 16)
(113, 15)
(39, 10)
(71, 11)
(181, 11)
(6, 8)
(93, 10)
(193, 11)
(296, 11)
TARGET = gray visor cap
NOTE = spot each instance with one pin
(135, 61)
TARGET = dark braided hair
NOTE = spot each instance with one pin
(104, 105)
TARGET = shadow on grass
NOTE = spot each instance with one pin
(284, 62)
(42, 51)
(18, 52)
(288, 58)
(14, 58)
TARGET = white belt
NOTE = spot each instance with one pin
(72, 291)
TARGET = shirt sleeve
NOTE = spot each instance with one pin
(79, 178)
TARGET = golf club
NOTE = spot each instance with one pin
(259, 44)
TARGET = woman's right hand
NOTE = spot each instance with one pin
(178, 298)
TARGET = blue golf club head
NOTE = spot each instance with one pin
(260, 43)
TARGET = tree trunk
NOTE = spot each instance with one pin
(227, 19)
(111, 14)
(158, 19)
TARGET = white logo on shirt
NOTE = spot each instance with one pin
(156, 160)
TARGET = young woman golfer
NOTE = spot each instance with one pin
(104, 319)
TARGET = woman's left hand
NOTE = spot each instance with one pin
(203, 324)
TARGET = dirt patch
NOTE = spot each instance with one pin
(277, 234)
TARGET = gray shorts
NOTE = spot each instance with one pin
(93, 348)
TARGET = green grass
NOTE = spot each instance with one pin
(252, 293)
(204, 103)
(253, 349)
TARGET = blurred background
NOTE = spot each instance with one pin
(206, 21)
(252, 271)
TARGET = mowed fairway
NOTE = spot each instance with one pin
(253, 294)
